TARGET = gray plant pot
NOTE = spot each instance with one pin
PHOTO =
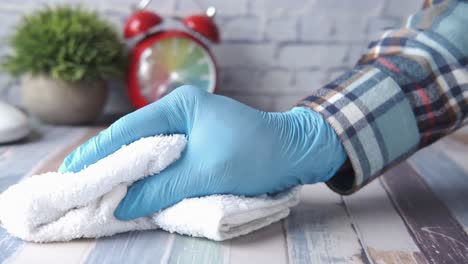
(61, 102)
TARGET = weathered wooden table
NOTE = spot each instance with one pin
(416, 213)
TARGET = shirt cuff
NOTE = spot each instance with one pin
(374, 121)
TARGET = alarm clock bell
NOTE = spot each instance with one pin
(164, 59)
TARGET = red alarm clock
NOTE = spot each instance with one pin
(163, 60)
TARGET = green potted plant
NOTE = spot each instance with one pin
(63, 55)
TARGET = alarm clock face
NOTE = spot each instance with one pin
(173, 61)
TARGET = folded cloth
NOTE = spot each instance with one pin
(60, 207)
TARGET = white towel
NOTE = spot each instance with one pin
(61, 207)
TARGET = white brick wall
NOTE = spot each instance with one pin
(273, 52)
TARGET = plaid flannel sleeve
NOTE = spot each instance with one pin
(407, 91)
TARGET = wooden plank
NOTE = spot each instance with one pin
(131, 247)
(446, 178)
(72, 252)
(381, 230)
(267, 245)
(197, 250)
(53, 161)
(17, 161)
(456, 151)
(439, 236)
(319, 230)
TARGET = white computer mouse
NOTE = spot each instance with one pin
(14, 125)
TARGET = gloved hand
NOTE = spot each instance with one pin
(231, 149)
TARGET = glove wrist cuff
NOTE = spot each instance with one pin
(326, 153)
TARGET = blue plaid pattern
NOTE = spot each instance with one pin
(407, 91)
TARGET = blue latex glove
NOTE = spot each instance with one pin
(232, 148)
